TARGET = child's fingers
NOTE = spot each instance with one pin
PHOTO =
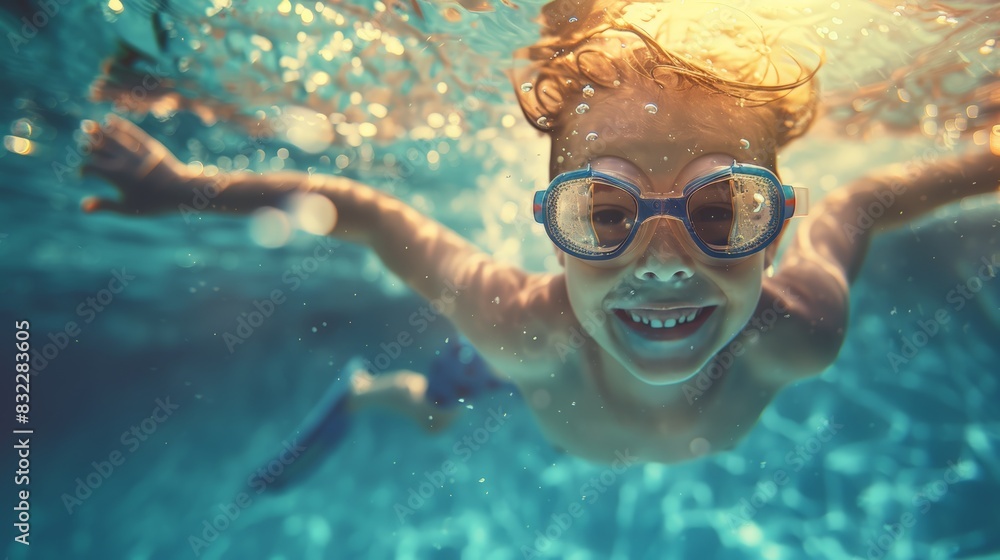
(101, 164)
(95, 135)
(127, 133)
(93, 204)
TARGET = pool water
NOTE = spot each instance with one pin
(148, 429)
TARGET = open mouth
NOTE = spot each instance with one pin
(670, 324)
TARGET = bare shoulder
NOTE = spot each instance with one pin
(802, 319)
(528, 326)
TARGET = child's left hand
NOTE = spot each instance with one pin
(149, 178)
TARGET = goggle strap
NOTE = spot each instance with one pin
(801, 202)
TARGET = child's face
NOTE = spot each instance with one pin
(664, 275)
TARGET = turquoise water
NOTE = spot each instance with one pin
(873, 458)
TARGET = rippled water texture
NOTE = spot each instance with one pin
(871, 459)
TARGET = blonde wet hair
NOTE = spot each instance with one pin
(760, 58)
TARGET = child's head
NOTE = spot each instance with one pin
(659, 95)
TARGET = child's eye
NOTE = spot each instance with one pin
(713, 213)
(609, 216)
(713, 223)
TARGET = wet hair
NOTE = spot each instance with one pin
(591, 47)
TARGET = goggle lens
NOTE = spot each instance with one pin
(592, 217)
(612, 214)
(735, 215)
(710, 211)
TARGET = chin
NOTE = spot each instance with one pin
(666, 372)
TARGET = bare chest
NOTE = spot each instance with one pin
(581, 413)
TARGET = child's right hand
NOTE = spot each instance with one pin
(149, 177)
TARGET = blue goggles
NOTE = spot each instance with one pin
(730, 212)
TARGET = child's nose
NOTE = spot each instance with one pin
(665, 258)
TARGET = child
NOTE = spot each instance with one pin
(665, 209)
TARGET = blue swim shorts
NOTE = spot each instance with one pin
(459, 372)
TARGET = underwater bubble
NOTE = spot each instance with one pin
(616, 83)
(750, 534)
(582, 108)
(700, 446)
(270, 227)
(573, 19)
(319, 530)
(18, 145)
(308, 130)
(435, 120)
(651, 108)
(588, 90)
(543, 121)
(526, 87)
(22, 127)
(313, 213)
(591, 136)
(744, 144)
(508, 213)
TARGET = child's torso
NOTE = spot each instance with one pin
(580, 414)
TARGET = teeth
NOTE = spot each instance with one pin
(663, 323)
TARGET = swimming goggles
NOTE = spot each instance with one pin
(729, 212)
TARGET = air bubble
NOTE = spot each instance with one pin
(588, 90)
(582, 108)
(526, 87)
(573, 19)
(744, 144)
(651, 108)
(591, 136)
(543, 121)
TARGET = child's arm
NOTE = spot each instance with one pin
(830, 246)
(503, 310)
(898, 195)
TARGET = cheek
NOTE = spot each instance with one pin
(743, 284)
(589, 285)
(739, 279)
